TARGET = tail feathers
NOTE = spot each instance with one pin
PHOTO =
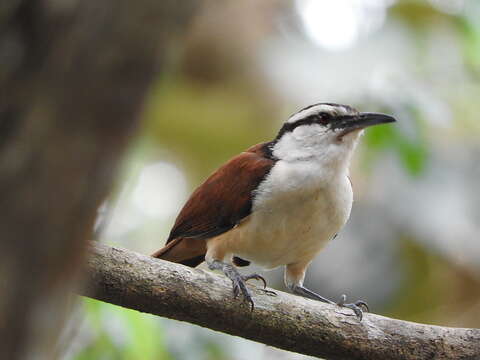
(189, 252)
(159, 254)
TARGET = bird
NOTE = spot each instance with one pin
(278, 203)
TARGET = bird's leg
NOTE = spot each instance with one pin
(294, 276)
(238, 280)
(358, 307)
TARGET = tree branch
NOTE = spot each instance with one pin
(285, 321)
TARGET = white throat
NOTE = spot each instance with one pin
(315, 144)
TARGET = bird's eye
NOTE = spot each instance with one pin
(323, 118)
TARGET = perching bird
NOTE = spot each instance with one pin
(277, 203)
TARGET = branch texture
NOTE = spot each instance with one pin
(285, 321)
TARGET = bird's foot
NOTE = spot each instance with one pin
(239, 281)
(255, 277)
(358, 307)
(239, 285)
(262, 279)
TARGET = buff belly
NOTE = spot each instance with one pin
(287, 228)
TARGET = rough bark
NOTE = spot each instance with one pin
(73, 75)
(285, 321)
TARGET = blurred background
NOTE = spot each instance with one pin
(411, 247)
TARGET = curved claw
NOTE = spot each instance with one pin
(236, 290)
(247, 297)
(270, 292)
(252, 305)
(362, 304)
(239, 286)
(238, 281)
(256, 277)
(358, 307)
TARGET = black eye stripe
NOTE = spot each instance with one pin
(322, 118)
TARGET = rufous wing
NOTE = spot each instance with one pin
(216, 206)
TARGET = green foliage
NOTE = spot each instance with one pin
(412, 151)
(139, 338)
(470, 31)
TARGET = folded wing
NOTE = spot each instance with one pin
(216, 206)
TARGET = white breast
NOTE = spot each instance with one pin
(297, 209)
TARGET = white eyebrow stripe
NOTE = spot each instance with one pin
(302, 114)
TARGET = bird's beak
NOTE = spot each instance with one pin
(369, 119)
(351, 123)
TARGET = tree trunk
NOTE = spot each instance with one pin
(73, 76)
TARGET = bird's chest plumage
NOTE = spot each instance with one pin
(296, 210)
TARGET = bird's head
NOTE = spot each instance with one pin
(323, 131)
